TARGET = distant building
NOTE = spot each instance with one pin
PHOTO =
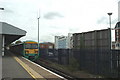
(61, 42)
(47, 45)
(64, 42)
(117, 30)
(117, 35)
(113, 45)
(119, 11)
(56, 41)
(70, 40)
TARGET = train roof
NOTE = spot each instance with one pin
(30, 41)
(17, 44)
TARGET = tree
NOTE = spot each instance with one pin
(18, 42)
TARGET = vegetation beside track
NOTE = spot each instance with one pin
(71, 69)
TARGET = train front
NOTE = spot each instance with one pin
(31, 50)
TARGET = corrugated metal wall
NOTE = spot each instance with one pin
(92, 40)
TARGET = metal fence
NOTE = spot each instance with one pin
(101, 62)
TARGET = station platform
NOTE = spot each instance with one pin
(18, 67)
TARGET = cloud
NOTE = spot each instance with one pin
(46, 38)
(56, 34)
(52, 15)
(73, 29)
(103, 20)
(8, 10)
(115, 21)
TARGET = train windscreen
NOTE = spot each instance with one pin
(31, 46)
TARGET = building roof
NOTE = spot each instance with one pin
(117, 24)
(90, 31)
(10, 29)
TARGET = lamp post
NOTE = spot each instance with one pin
(38, 34)
(1, 8)
(109, 19)
(110, 28)
(3, 40)
(110, 38)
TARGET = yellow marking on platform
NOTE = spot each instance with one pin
(33, 73)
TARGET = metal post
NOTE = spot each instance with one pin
(110, 27)
(1, 47)
(118, 65)
(38, 34)
(110, 40)
(110, 20)
(3, 39)
(3, 44)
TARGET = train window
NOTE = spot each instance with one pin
(27, 46)
(34, 46)
(31, 46)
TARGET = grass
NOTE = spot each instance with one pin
(72, 68)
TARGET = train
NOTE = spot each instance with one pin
(27, 49)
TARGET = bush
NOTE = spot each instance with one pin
(73, 65)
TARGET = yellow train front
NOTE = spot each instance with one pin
(30, 50)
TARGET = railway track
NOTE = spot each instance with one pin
(61, 73)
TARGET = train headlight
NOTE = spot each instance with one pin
(26, 51)
(36, 51)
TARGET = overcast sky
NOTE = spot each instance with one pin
(58, 17)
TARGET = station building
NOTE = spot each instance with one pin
(117, 36)
(117, 30)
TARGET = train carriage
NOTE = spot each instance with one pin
(31, 50)
(28, 49)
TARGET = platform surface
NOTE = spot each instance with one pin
(19, 67)
(12, 69)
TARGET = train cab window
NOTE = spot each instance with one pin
(31, 46)
(27, 46)
(34, 46)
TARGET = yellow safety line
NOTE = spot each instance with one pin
(18, 60)
(34, 74)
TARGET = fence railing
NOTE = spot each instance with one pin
(101, 62)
